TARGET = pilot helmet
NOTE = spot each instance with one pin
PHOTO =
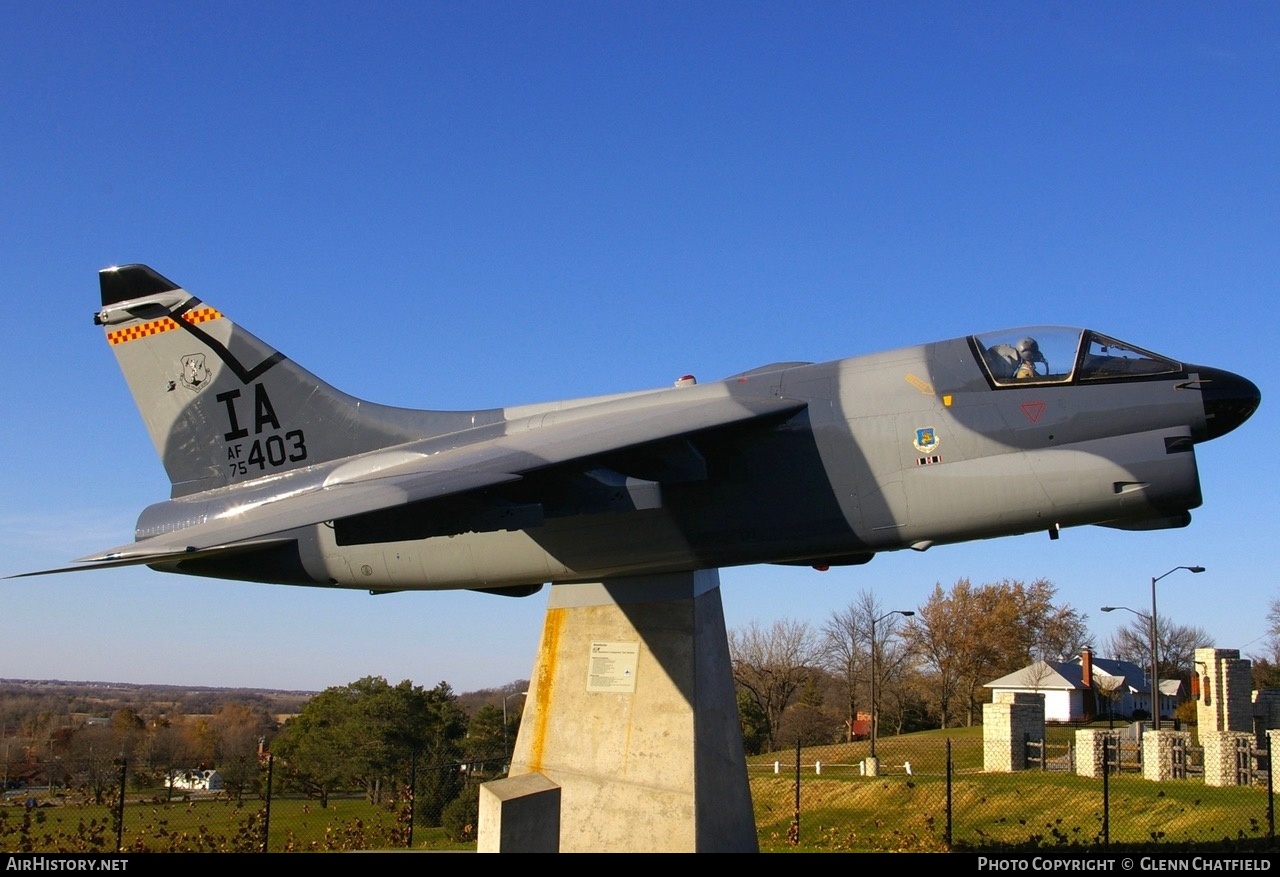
(1029, 350)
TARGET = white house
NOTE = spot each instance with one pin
(1087, 688)
(192, 780)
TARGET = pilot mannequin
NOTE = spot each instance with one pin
(1028, 355)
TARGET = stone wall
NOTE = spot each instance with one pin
(1007, 724)
(1220, 756)
(1158, 753)
(1089, 750)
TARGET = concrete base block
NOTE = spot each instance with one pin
(632, 713)
(519, 815)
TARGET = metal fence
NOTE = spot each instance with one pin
(934, 794)
(925, 792)
(251, 806)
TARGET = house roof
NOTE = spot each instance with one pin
(1112, 667)
(1040, 676)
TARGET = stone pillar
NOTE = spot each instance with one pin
(1238, 675)
(1007, 724)
(1157, 752)
(1089, 750)
(1220, 756)
(1266, 707)
(1225, 702)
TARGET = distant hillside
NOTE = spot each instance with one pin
(22, 700)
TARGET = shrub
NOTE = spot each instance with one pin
(461, 815)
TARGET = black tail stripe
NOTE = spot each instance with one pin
(244, 374)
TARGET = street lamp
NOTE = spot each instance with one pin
(905, 613)
(1155, 642)
(505, 745)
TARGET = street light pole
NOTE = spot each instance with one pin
(1155, 646)
(906, 613)
(506, 746)
(1155, 642)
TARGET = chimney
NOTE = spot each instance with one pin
(1086, 668)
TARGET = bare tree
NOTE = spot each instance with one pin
(91, 758)
(771, 664)
(1273, 630)
(1110, 688)
(846, 652)
(1178, 643)
(1266, 666)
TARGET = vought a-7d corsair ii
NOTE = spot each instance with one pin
(278, 477)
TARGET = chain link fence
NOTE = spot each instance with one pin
(925, 792)
(930, 792)
(250, 806)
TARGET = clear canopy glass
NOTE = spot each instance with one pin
(1060, 355)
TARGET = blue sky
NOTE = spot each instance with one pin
(460, 205)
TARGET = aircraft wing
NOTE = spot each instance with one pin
(424, 470)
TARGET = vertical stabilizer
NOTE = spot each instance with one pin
(221, 406)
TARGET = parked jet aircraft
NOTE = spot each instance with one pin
(278, 477)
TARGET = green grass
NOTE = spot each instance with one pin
(216, 824)
(926, 750)
(1028, 809)
(839, 810)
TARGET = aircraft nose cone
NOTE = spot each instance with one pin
(1229, 400)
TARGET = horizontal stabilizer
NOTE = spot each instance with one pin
(143, 559)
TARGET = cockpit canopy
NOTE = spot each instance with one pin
(1059, 355)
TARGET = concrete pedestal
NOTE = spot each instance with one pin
(631, 713)
(519, 815)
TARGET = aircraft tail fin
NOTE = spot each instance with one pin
(223, 407)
